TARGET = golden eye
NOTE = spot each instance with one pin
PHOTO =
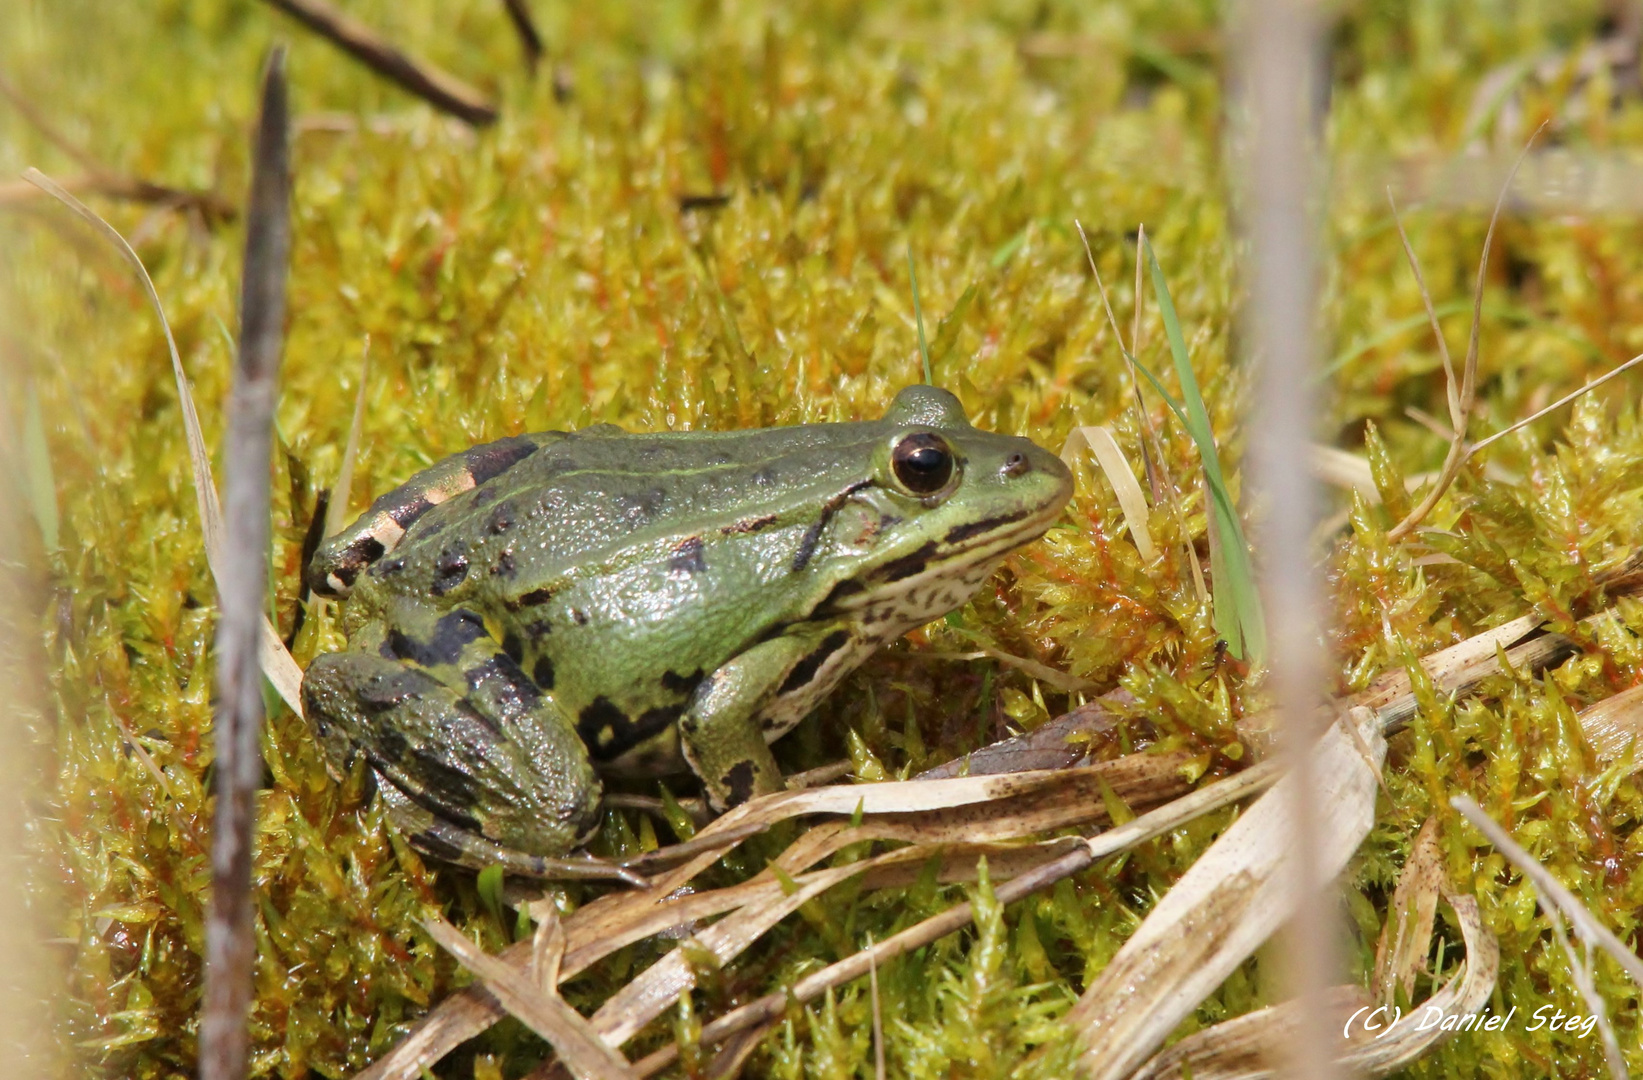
(923, 463)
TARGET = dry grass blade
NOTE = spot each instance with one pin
(282, 671)
(1222, 909)
(624, 1014)
(1401, 952)
(1580, 971)
(230, 944)
(469, 1012)
(1131, 500)
(1044, 673)
(438, 88)
(1462, 400)
(1558, 404)
(545, 1013)
(1614, 725)
(336, 510)
(878, 1013)
(1552, 892)
(1151, 451)
(1145, 827)
(1252, 1047)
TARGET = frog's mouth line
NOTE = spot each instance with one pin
(936, 562)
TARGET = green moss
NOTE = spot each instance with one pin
(541, 274)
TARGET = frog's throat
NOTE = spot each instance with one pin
(951, 561)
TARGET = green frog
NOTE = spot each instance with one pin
(544, 610)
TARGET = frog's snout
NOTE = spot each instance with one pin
(1036, 477)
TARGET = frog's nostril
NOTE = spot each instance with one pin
(1015, 465)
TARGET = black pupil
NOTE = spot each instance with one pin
(923, 463)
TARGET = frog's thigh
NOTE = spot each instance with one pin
(720, 733)
(453, 757)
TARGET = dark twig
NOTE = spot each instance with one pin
(529, 39)
(100, 179)
(230, 943)
(436, 87)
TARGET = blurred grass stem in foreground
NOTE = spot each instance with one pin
(1280, 94)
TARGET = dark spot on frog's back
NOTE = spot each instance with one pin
(493, 459)
(450, 570)
(386, 690)
(503, 518)
(513, 647)
(739, 782)
(542, 672)
(534, 598)
(451, 634)
(805, 670)
(687, 558)
(506, 683)
(638, 509)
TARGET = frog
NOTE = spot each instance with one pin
(533, 616)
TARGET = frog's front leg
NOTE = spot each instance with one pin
(720, 733)
(476, 764)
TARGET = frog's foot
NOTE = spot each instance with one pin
(454, 844)
(495, 769)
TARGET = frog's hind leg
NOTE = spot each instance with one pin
(339, 561)
(476, 764)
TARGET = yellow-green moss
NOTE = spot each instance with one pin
(541, 274)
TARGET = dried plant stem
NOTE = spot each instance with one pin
(530, 40)
(1558, 901)
(1151, 450)
(1463, 397)
(1552, 892)
(538, 1006)
(438, 88)
(336, 510)
(1558, 404)
(1151, 824)
(101, 180)
(1580, 971)
(230, 942)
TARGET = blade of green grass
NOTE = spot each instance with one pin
(1238, 617)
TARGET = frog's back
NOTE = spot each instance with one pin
(536, 506)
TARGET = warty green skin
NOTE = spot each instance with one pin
(542, 610)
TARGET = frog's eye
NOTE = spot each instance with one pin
(923, 463)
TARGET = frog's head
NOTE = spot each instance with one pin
(944, 502)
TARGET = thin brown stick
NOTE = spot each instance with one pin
(529, 39)
(230, 942)
(438, 88)
(1461, 401)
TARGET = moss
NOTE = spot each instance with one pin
(542, 274)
